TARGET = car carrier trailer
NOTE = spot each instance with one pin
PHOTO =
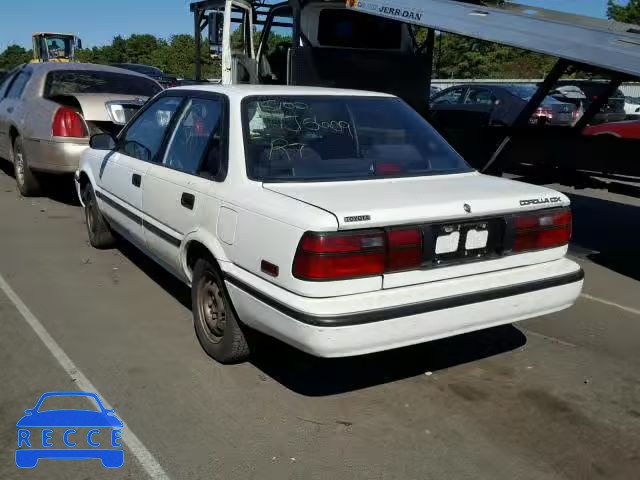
(372, 45)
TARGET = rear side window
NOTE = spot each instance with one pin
(18, 85)
(320, 138)
(345, 28)
(6, 82)
(70, 82)
(196, 143)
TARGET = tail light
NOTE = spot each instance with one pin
(404, 249)
(338, 256)
(68, 123)
(544, 112)
(542, 230)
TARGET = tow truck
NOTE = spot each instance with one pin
(372, 45)
(55, 47)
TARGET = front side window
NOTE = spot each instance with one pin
(196, 143)
(449, 97)
(144, 137)
(350, 29)
(299, 138)
(59, 47)
(479, 96)
(71, 82)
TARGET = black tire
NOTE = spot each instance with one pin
(27, 181)
(216, 324)
(100, 235)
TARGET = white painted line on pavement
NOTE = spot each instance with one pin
(146, 459)
(611, 304)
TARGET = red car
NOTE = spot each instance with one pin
(629, 129)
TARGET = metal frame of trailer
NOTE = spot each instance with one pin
(607, 48)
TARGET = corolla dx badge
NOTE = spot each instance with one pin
(84, 433)
(540, 201)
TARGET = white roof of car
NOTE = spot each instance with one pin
(241, 91)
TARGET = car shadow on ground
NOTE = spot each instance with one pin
(312, 376)
(155, 272)
(59, 188)
(608, 232)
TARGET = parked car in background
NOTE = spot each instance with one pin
(48, 111)
(628, 129)
(167, 81)
(502, 103)
(632, 107)
(338, 221)
(612, 111)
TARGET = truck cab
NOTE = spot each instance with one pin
(55, 47)
(317, 43)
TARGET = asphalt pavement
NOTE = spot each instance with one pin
(556, 397)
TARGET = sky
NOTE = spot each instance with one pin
(97, 22)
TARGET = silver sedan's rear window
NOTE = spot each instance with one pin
(300, 138)
(70, 82)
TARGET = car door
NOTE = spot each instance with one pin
(7, 106)
(123, 171)
(179, 192)
(444, 103)
(479, 105)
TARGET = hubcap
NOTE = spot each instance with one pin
(211, 307)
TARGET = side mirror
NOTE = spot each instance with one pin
(102, 141)
(109, 411)
(29, 410)
(216, 24)
(79, 44)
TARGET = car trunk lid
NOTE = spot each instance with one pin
(96, 107)
(389, 202)
(439, 206)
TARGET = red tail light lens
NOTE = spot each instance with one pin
(68, 123)
(542, 230)
(404, 249)
(337, 256)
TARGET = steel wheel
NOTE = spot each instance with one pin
(90, 214)
(212, 307)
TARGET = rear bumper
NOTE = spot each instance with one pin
(359, 324)
(54, 157)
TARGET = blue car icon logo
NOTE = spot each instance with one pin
(34, 444)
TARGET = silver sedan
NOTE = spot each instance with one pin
(48, 112)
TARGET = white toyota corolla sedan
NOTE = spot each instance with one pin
(337, 221)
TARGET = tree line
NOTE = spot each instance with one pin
(455, 56)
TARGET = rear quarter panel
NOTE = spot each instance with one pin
(269, 227)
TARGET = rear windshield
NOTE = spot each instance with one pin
(300, 138)
(525, 92)
(69, 82)
(344, 28)
(145, 69)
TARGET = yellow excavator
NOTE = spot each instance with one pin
(55, 47)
